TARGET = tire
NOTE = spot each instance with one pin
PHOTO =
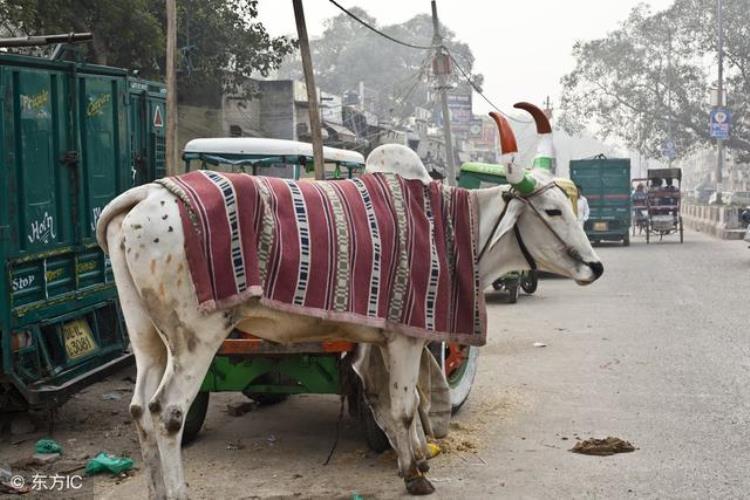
(376, 439)
(460, 377)
(196, 415)
(530, 281)
(626, 240)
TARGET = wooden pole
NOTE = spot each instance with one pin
(312, 95)
(171, 153)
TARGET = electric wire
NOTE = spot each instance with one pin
(430, 47)
(384, 35)
(476, 88)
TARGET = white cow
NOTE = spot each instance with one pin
(174, 343)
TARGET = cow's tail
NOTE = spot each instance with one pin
(119, 205)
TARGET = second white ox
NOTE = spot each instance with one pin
(532, 224)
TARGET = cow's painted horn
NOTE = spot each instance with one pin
(520, 180)
(545, 152)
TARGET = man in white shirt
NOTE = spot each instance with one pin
(583, 207)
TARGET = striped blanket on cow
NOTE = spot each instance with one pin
(378, 250)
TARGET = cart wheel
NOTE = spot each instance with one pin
(459, 363)
(530, 281)
(195, 417)
(374, 435)
(513, 288)
(626, 240)
(497, 285)
(682, 238)
(460, 366)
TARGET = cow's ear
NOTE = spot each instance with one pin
(509, 220)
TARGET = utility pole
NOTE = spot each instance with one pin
(442, 75)
(720, 94)
(670, 144)
(171, 154)
(312, 95)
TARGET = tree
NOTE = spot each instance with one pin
(220, 43)
(222, 47)
(649, 80)
(126, 32)
(348, 53)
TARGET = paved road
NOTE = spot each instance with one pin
(656, 353)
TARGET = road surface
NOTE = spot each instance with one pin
(655, 353)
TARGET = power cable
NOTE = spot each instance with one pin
(479, 91)
(384, 35)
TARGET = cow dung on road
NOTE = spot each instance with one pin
(603, 447)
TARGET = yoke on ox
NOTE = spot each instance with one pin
(186, 279)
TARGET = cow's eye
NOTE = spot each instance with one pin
(553, 212)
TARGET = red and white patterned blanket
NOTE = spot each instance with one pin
(378, 250)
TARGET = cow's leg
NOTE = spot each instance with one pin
(187, 363)
(403, 354)
(150, 358)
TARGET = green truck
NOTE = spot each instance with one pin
(72, 137)
(605, 183)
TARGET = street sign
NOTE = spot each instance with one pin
(668, 150)
(720, 121)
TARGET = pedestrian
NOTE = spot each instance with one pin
(583, 207)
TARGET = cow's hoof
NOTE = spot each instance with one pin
(423, 466)
(419, 486)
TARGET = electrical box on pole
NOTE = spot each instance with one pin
(442, 69)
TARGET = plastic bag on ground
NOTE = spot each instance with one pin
(104, 462)
(47, 446)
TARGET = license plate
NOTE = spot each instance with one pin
(79, 341)
(601, 226)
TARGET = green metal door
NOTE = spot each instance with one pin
(104, 158)
(147, 130)
(34, 122)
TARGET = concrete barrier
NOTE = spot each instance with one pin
(717, 220)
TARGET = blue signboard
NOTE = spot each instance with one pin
(720, 119)
(669, 150)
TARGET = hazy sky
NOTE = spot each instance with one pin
(523, 47)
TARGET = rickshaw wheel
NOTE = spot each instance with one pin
(530, 281)
(195, 417)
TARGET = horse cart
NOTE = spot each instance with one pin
(267, 372)
(663, 203)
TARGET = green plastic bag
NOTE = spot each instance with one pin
(47, 446)
(104, 462)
